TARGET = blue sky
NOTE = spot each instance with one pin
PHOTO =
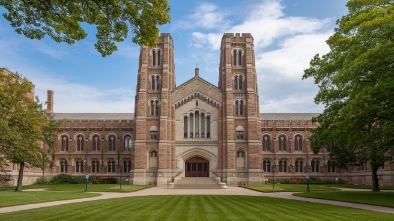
(287, 34)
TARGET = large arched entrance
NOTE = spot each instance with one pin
(197, 167)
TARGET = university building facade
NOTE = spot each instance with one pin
(197, 129)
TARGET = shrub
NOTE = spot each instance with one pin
(43, 181)
(68, 179)
(5, 179)
(103, 180)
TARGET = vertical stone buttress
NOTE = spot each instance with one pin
(241, 46)
(155, 64)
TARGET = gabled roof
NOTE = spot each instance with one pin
(93, 116)
(288, 116)
(197, 78)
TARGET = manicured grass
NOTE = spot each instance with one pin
(371, 198)
(353, 186)
(196, 207)
(9, 198)
(289, 188)
(81, 187)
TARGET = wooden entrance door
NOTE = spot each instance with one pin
(197, 167)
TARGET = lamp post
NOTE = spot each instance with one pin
(86, 170)
(307, 172)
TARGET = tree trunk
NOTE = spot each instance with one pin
(20, 177)
(375, 180)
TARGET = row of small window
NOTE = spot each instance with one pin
(127, 144)
(197, 125)
(299, 167)
(80, 167)
(266, 142)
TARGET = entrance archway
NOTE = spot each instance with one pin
(197, 167)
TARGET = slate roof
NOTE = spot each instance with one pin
(94, 116)
(288, 116)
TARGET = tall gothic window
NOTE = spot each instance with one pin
(154, 107)
(282, 166)
(208, 126)
(315, 166)
(241, 153)
(238, 82)
(267, 166)
(298, 142)
(156, 57)
(237, 57)
(298, 166)
(282, 143)
(331, 166)
(239, 107)
(79, 166)
(96, 143)
(127, 143)
(185, 127)
(191, 118)
(63, 166)
(197, 124)
(155, 82)
(80, 143)
(95, 166)
(64, 143)
(111, 143)
(111, 166)
(127, 166)
(202, 125)
(266, 143)
(240, 133)
(153, 133)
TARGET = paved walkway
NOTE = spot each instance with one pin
(228, 191)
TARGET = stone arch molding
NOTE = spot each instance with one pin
(198, 152)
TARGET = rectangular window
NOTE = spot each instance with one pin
(240, 135)
(153, 135)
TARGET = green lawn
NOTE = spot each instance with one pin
(372, 198)
(9, 198)
(196, 207)
(289, 188)
(81, 187)
(353, 186)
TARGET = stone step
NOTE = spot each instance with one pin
(197, 183)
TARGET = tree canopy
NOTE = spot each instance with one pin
(356, 85)
(24, 125)
(62, 20)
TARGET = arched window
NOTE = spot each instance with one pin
(240, 153)
(315, 166)
(197, 124)
(95, 166)
(154, 107)
(208, 126)
(155, 80)
(63, 166)
(127, 166)
(238, 82)
(80, 143)
(298, 166)
(240, 133)
(156, 56)
(111, 166)
(202, 125)
(239, 107)
(298, 142)
(153, 154)
(191, 118)
(111, 143)
(64, 143)
(153, 133)
(267, 166)
(237, 56)
(331, 166)
(266, 143)
(79, 166)
(283, 166)
(127, 143)
(185, 126)
(282, 143)
(96, 143)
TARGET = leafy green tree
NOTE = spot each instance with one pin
(23, 124)
(356, 85)
(61, 20)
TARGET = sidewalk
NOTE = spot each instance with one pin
(228, 191)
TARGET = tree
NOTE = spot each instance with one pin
(23, 123)
(356, 85)
(61, 20)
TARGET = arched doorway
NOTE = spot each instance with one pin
(197, 167)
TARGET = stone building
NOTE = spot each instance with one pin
(197, 129)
